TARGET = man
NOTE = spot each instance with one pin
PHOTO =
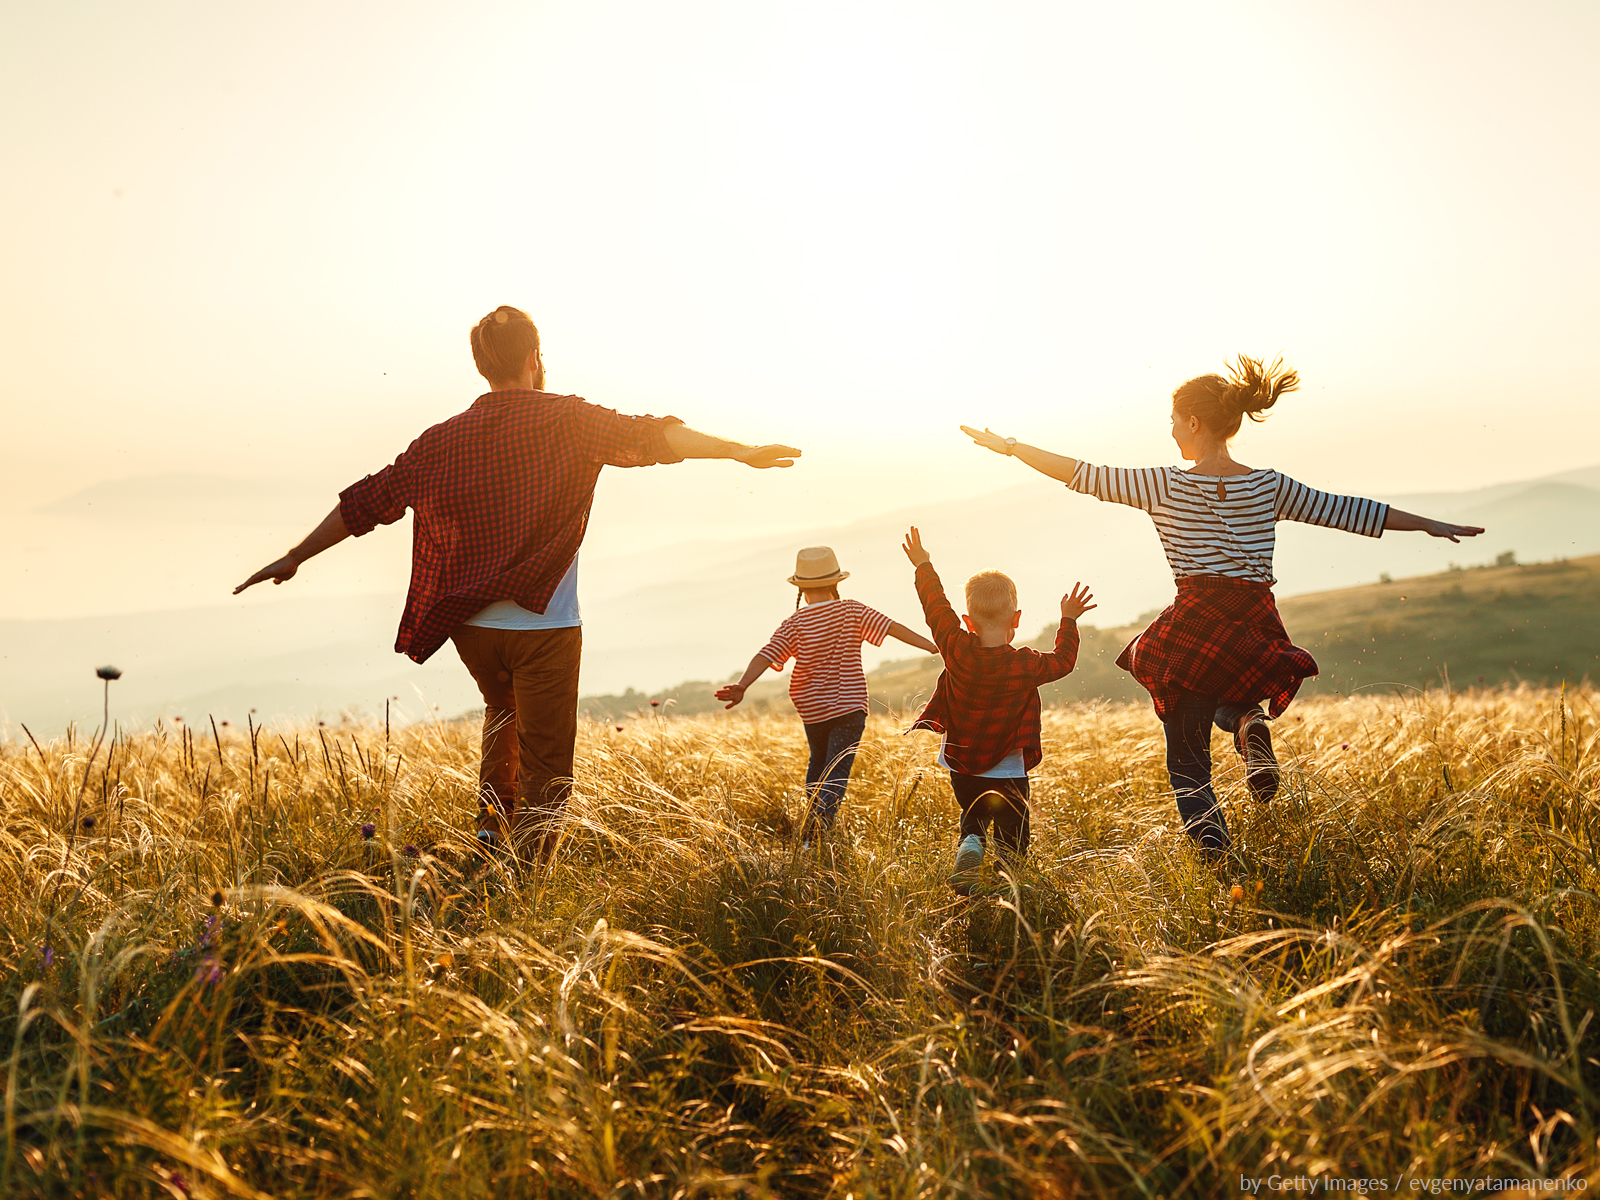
(500, 496)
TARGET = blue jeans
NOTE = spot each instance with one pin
(833, 743)
(1189, 766)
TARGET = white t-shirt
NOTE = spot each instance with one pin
(561, 613)
(1009, 767)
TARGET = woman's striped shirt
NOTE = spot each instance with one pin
(825, 642)
(1224, 524)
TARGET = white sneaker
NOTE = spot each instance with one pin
(969, 857)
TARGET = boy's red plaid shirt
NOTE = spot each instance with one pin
(987, 699)
(501, 495)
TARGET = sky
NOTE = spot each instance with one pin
(243, 244)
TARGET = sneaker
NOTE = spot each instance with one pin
(1253, 741)
(969, 857)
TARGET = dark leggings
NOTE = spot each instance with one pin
(833, 743)
(1003, 801)
(1189, 765)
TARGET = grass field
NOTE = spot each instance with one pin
(223, 986)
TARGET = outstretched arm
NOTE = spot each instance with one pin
(912, 638)
(691, 443)
(734, 692)
(330, 532)
(1057, 466)
(1409, 522)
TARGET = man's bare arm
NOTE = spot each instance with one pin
(330, 532)
(691, 443)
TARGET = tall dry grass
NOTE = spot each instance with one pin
(240, 994)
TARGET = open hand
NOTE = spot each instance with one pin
(1443, 529)
(1077, 602)
(732, 693)
(279, 572)
(762, 457)
(987, 438)
(913, 548)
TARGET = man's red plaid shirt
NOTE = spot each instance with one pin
(987, 699)
(501, 496)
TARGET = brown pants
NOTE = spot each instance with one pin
(529, 681)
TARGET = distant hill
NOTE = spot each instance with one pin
(1475, 627)
(690, 611)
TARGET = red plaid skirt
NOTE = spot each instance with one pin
(1222, 638)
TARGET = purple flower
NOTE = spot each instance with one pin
(408, 850)
(49, 955)
(88, 822)
(368, 830)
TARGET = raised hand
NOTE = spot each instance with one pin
(987, 438)
(762, 457)
(913, 548)
(1077, 602)
(732, 693)
(279, 572)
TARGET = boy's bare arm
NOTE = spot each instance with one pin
(912, 638)
(734, 692)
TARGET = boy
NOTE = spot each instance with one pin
(986, 703)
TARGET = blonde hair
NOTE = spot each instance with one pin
(502, 342)
(991, 596)
(1248, 391)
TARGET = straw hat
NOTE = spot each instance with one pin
(817, 567)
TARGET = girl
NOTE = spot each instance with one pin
(828, 689)
(1219, 650)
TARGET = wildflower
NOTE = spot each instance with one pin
(107, 673)
(216, 899)
(49, 955)
(368, 830)
(1237, 894)
(88, 822)
(408, 850)
(655, 704)
(1344, 745)
(619, 728)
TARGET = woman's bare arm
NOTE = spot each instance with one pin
(1057, 466)
(1410, 522)
(912, 638)
(330, 532)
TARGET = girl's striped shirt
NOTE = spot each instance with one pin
(825, 642)
(1225, 524)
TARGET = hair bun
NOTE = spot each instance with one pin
(501, 316)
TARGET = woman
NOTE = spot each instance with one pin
(1219, 650)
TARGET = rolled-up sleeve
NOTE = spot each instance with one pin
(615, 439)
(380, 499)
